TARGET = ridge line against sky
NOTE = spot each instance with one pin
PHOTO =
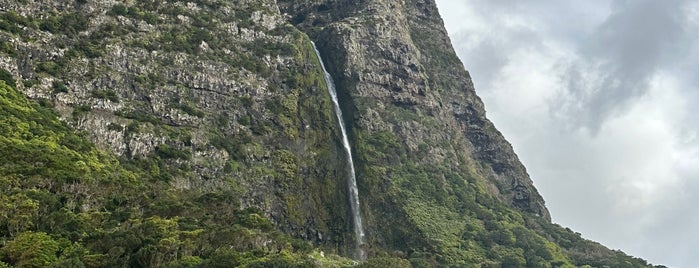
(600, 101)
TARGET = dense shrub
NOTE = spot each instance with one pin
(59, 87)
(168, 152)
(107, 94)
(7, 77)
(68, 24)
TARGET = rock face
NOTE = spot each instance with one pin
(400, 74)
(227, 95)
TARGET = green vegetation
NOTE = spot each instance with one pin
(231, 144)
(64, 203)
(48, 67)
(69, 24)
(7, 77)
(263, 47)
(190, 109)
(12, 22)
(7, 48)
(452, 220)
(81, 110)
(140, 116)
(59, 87)
(104, 211)
(168, 152)
(43, 146)
(109, 94)
(134, 13)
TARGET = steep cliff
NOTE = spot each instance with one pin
(407, 94)
(399, 74)
(215, 118)
(221, 96)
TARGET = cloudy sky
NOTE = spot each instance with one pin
(600, 99)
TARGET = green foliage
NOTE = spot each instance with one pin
(244, 120)
(232, 144)
(81, 110)
(321, 259)
(88, 48)
(140, 116)
(118, 10)
(18, 213)
(455, 218)
(190, 109)
(168, 152)
(96, 214)
(287, 164)
(32, 133)
(261, 47)
(243, 17)
(12, 22)
(379, 147)
(134, 13)
(7, 48)
(115, 127)
(231, 166)
(386, 262)
(250, 63)
(69, 24)
(31, 249)
(30, 83)
(582, 251)
(107, 94)
(48, 67)
(7, 77)
(59, 87)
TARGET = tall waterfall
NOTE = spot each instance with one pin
(352, 180)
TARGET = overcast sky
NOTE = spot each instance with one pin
(600, 99)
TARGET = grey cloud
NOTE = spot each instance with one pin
(622, 56)
(675, 224)
(486, 58)
(487, 54)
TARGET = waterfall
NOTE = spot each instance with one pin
(352, 180)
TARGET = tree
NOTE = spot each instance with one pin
(30, 249)
(17, 213)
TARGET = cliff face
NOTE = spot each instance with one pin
(417, 124)
(217, 96)
(399, 75)
(219, 113)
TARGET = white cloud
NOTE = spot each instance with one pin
(599, 99)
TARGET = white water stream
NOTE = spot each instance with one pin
(352, 180)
